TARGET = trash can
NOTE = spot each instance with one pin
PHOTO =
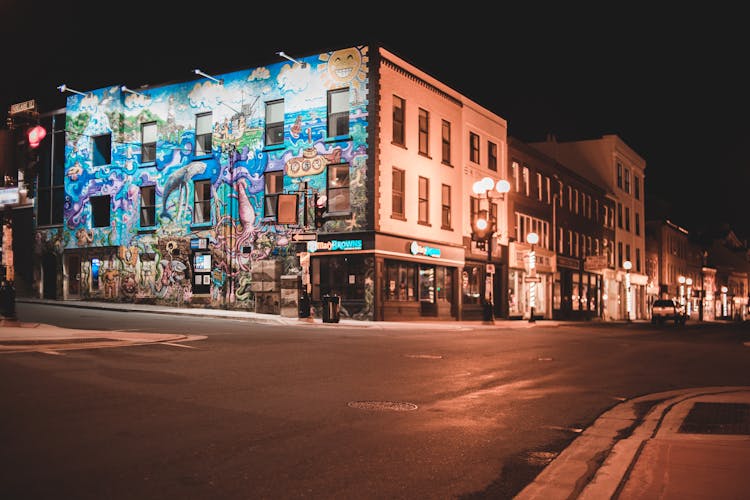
(331, 308)
(304, 305)
(7, 300)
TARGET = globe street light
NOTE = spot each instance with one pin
(628, 301)
(681, 280)
(689, 296)
(483, 228)
(532, 239)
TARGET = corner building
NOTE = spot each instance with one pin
(346, 172)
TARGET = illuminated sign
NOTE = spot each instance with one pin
(417, 249)
(8, 195)
(334, 245)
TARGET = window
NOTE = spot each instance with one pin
(638, 260)
(338, 112)
(446, 202)
(401, 281)
(514, 179)
(526, 181)
(50, 196)
(575, 195)
(202, 202)
(627, 252)
(275, 122)
(399, 119)
(102, 150)
(148, 142)
(203, 135)
(570, 199)
(539, 189)
(492, 156)
(619, 175)
(424, 132)
(100, 211)
(626, 186)
(274, 184)
(446, 142)
(619, 254)
(627, 218)
(338, 188)
(398, 189)
(473, 147)
(424, 200)
(637, 187)
(637, 224)
(148, 206)
(619, 215)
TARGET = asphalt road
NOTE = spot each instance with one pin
(264, 411)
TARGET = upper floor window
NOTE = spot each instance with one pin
(525, 174)
(619, 215)
(203, 134)
(274, 185)
(102, 150)
(397, 191)
(338, 112)
(446, 204)
(202, 202)
(627, 218)
(473, 147)
(424, 200)
(514, 178)
(637, 187)
(619, 175)
(424, 132)
(275, 122)
(338, 188)
(539, 187)
(101, 208)
(399, 119)
(638, 260)
(148, 206)
(637, 224)
(446, 142)
(492, 156)
(50, 195)
(148, 142)
(626, 183)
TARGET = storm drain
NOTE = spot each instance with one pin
(383, 405)
(717, 418)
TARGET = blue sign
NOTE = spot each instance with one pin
(417, 249)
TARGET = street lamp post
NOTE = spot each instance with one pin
(681, 280)
(532, 239)
(628, 300)
(689, 296)
(484, 226)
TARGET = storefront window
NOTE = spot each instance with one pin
(344, 276)
(400, 281)
(444, 283)
(427, 284)
(471, 284)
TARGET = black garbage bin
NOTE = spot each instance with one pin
(304, 305)
(7, 300)
(331, 308)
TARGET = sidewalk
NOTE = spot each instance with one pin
(691, 443)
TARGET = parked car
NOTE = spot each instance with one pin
(667, 310)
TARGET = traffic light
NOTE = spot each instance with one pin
(320, 210)
(482, 226)
(35, 135)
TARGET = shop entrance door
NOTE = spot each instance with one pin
(427, 303)
(73, 267)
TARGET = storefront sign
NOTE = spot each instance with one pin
(417, 249)
(334, 245)
(568, 262)
(8, 196)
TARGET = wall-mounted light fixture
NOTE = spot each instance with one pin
(288, 58)
(213, 78)
(125, 89)
(64, 88)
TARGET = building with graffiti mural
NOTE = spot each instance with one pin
(347, 172)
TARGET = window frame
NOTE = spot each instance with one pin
(333, 187)
(398, 134)
(446, 142)
(398, 193)
(474, 151)
(423, 204)
(101, 151)
(424, 132)
(271, 192)
(274, 130)
(335, 118)
(98, 204)
(445, 212)
(201, 202)
(148, 146)
(147, 209)
(492, 156)
(203, 139)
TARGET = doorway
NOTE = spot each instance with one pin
(49, 276)
(73, 268)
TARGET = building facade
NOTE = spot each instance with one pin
(343, 173)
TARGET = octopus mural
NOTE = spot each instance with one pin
(150, 258)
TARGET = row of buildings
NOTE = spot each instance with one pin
(347, 173)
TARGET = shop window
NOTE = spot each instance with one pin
(400, 281)
(471, 284)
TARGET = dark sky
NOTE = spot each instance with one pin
(673, 85)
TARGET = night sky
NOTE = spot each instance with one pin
(674, 86)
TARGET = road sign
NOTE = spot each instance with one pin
(22, 107)
(532, 279)
(304, 236)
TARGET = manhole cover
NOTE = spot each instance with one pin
(717, 418)
(383, 405)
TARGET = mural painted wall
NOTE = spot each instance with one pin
(241, 250)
